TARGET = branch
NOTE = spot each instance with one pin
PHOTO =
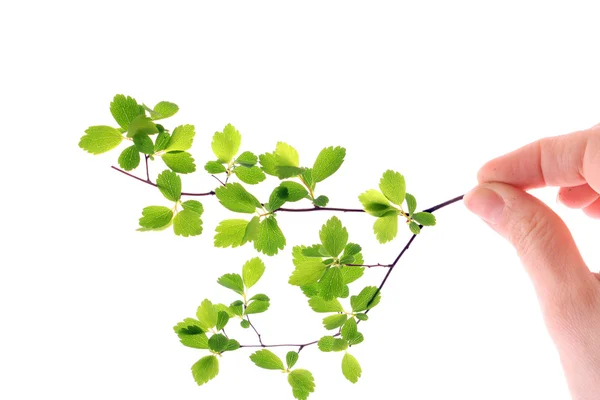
(315, 208)
(149, 182)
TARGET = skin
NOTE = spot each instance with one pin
(567, 290)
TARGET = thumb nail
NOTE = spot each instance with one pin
(485, 203)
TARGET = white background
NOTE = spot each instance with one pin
(432, 90)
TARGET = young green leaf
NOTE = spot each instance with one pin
(328, 161)
(205, 369)
(334, 321)
(125, 109)
(252, 271)
(350, 329)
(187, 223)
(193, 205)
(424, 218)
(154, 217)
(169, 184)
(141, 125)
(286, 161)
(330, 343)
(257, 307)
(223, 307)
(217, 343)
(267, 359)
(351, 368)
(321, 201)
(222, 320)
(307, 178)
(368, 298)
(182, 138)
(386, 226)
(268, 163)
(164, 109)
(316, 250)
(414, 228)
(261, 297)
(180, 161)
(226, 144)
(375, 203)
(207, 315)
(247, 159)
(231, 232)
(214, 167)
(411, 203)
(302, 383)
(234, 197)
(144, 144)
(249, 175)
(291, 358)
(332, 284)
(162, 141)
(191, 334)
(252, 229)
(233, 282)
(245, 324)
(362, 317)
(100, 139)
(320, 305)
(237, 307)
(393, 186)
(351, 274)
(129, 158)
(270, 239)
(276, 199)
(308, 269)
(232, 345)
(293, 191)
(333, 236)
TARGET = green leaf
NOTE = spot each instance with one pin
(180, 161)
(237, 307)
(222, 307)
(332, 284)
(302, 383)
(164, 109)
(214, 167)
(276, 199)
(252, 271)
(252, 229)
(310, 290)
(154, 217)
(320, 305)
(386, 227)
(191, 334)
(169, 184)
(329, 343)
(207, 315)
(293, 191)
(205, 369)
(233, 282)
(162, 141)
(249, 175)
(333, 236)
(245, 324)
(414, 228)
(316, 250)
(308, 179)
(247, 159)
(193, 205)
(232, 345)
(141, 125)
(291, 358)
(328, 161)
(231, 232)
(351, 368)
(411, 203)
(217, 343)
(362, 317)
(268, 163)
(100, 139)
(260, 296)
(424, 218)
(129, 158)
(370, 294)
(144, 144)
(352, 249)
(308, 269)
(286, 155)
(375, 203)
(393, 186)
(234, 197)
(321, 201)
(187, 223)
(350, 330)
(257, 307)
(270, 239)
(182, 138)
(125, 109)
(351, 274)
(222, 320)
(226, 144)
(334, 321)
(267, 359)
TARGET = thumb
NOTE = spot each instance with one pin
(561, 278)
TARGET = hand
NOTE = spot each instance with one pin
(568, 292)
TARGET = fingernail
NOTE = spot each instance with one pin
(485, 203)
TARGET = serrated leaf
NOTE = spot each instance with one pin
(316, 250)
(207, 315)
(328, 161)
(237, 307)
(247, 159)
(331, 284)
(352, 249)
(330, 343)
(386, 227)
(307, 177)
(164, 109)
(291, 358)
(424, 218)
(351, 274)
(125, 109)
(187, 223)
(334, 237)
(226, 144)
(351, 368)
(308, 269)
(245, 324)
(310, 290)
(222, 320)
(411, 203)
(350, 329)
(252, 229)
(191, 334)
(393, 186)
(234, 197)
(162, 141)
(205, 369)
(334, 321)
(268, 163)
(233, 282)
(362, 317)
(320, 305)
(141, 125)
(249, 175)
(293, 191)
(180, 161)
(100, 139)
(276, 199)
(144, 144)
(214, 167)
(169, 184)
(302, 383)
(369, 294)
(231, 232)
(270, 239)
(286, 155)
(154, 217)
(414, 228)
(257, 307)
(321, 201)
(267, 359)
(193, 205)
(217, 342)
(252, 271)
(222, 307)
(232, 345)
(375, 203)
(260, 296)
(182, 138)
(129, 158)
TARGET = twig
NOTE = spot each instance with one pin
(217, 178)
(149, 182)
(370, 265)
(255, 331)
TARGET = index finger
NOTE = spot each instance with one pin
(567, 160)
